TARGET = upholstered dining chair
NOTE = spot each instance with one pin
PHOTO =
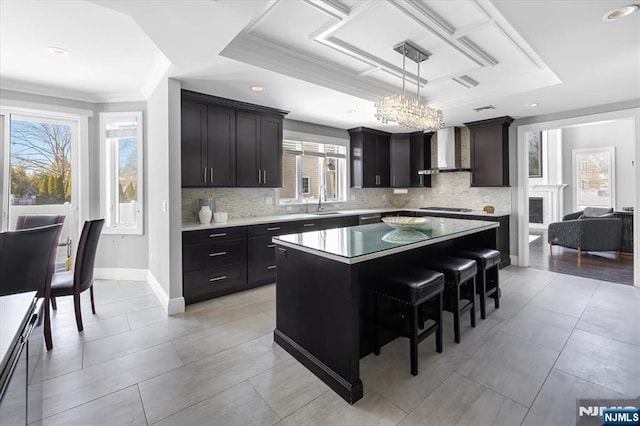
(27, 259)
(72, 283)
(34, 221)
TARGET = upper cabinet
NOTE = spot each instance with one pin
(400, 153)
(370, 162)
(259, 145)
(420, 159)
(228, 143)
(490, 151)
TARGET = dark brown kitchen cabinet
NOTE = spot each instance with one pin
(259, 145)
(420, 158)
(229, 143)
(490, 151)
(400, 156)
(208, 146)
(370, 162)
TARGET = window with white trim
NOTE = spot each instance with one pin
(121, 143)
(594, 177)
(311, 170)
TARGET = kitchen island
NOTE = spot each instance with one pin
(323, 302)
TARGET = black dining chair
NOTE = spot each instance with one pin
(27, 259)
(72, 283)
(35, 221)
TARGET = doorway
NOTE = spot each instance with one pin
(526, 190)
(39, 159)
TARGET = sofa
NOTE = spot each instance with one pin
(592, 229)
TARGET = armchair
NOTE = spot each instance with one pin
(588, 230)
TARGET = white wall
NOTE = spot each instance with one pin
(618, 134)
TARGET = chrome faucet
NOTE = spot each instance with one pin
(322, 188)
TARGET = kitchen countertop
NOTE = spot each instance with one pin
(245, 221)
(361, 243)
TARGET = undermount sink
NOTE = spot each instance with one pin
(323, 213)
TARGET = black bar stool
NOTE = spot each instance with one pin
(488, 280)
(413, 287)
(460, 281)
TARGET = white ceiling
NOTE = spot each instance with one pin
(321, 58)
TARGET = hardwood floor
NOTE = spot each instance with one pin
(596, 265)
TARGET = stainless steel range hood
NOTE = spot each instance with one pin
(449, 146)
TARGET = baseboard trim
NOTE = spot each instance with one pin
(171, 306)
(128, 274)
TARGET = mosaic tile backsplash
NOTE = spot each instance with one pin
(448, 190)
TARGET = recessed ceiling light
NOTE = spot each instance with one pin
(619, 13)
(532, 105)
(57, 51)
(351, 111)
(257, 88)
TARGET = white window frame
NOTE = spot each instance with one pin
(109, 173)
(299, 200)
(612, 175)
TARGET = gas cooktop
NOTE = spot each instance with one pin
(446, 209)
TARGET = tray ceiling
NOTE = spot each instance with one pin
(348, 46)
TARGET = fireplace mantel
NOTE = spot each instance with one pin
(552, 204)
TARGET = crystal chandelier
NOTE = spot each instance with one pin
(403, 109)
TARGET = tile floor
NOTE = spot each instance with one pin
(555, 338)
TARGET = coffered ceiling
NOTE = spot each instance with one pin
(328, 60)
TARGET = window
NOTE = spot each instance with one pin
(594, 177)
(311, 170)
(122, 201)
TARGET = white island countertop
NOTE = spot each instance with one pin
(257, 220)
(361, 243)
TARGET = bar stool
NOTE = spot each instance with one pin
(460, 280)
(488, 282)
(412, 287)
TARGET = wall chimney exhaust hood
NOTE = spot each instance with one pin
(449, 146)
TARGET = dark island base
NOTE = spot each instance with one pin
(350, 392)
(324, 311)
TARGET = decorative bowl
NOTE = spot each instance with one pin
(403, 222)
(404, 236)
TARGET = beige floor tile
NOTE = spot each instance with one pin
(607, 362)
(123, 407)
(510, 366)
(460, 401)
(176, 390)
(237, 406)
(555, 405)
(330, 409)
(288, 386)
(212, 340)
(79, 387)
(541, 326)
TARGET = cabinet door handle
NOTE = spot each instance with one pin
(264, 177)
(211, 174)
(259, 176)
(309, 224)
(421, 177)
(275, 228)
(204, 174)
(220, 253)
(221, 277)
(271, 267)
(222, 234)
(271, 245)
(394, 180)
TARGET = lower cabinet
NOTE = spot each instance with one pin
(214, 263)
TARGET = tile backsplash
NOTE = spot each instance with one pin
(449, 190)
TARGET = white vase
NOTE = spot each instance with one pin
(204, 215)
